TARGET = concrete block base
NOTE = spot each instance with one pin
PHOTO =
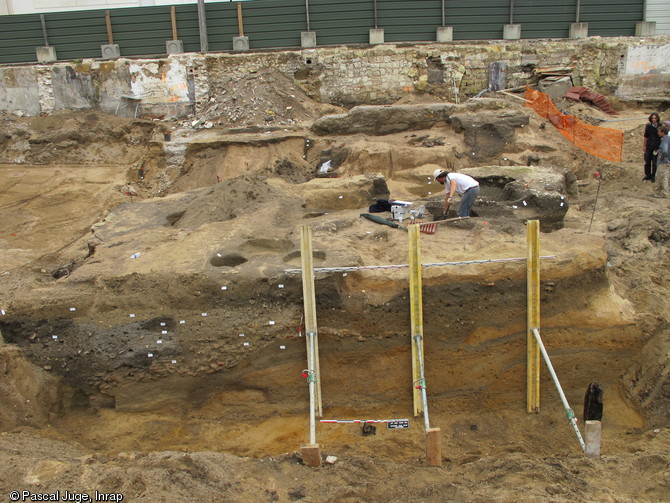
(110, 51)
(46, 54)
(592, 434)
(512, 32)
(174, 46)
(645, 28)
(311, 455)
(434, 447)
(376, 35)
(307, 39)
(579, 30)
(240, 43)
(444, 34)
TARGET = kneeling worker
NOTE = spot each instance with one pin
(465, 185)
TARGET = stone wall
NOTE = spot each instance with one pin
(183, 84)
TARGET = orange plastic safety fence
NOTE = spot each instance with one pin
(602, 142)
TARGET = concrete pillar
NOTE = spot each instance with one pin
(645, 28)
(174, 46)
(592, 435)
(307, 39)
(579, 30)
(46, 54)
(240, 43)
(110, 51)
(311, 455)
(434, 447)
(512, 32)
(445, 34)
(376, 35)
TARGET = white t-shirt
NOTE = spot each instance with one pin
(463, 182)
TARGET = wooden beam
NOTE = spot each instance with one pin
(240, 20)
(533, 317)
(416, 314)
(309, 300)
(173, 16)
(108, 20)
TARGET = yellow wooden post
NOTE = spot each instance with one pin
(416, 313)
(533, 287)
(310, 306)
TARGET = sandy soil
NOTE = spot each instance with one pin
(219, 409)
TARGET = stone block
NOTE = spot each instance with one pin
(307, 39)
(376, 35)
(444, 34)
(46, 54)
(240, 43)
(512, 32)
(645, 28)
(592, 436)
(110, 51)
(174, 46)
(579, 30)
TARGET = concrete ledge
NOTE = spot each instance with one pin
(444, 34)
(307, 39)
(240, 43)
(46, 54)
(376, 35)
(512, 32)
(579, 30)
(110, 51)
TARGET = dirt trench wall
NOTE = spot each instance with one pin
(184, 84)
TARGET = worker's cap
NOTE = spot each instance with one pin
(667, 123)
(438, 173)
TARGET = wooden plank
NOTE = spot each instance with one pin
(416, 315)
(533, 315)
(309, 300)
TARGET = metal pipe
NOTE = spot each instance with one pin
(569, 412)
(307, 11)
(424, 397)
(375, 7)
(44, 30)
(312, 378)
(202, 26)
(511, 11)
(579, 7)
(444, 16)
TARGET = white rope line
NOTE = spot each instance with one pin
(402, 266)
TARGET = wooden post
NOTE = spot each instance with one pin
(108, 20)
(173, 16)
(592, 436)
(533, 293)
(434, 447)
(240, 21)
(416, 314)
(309, 297)
(311, 454)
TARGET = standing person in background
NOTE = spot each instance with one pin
(650, 147)
(465, 185)
(661, 189)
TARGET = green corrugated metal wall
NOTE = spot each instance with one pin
(142, 31)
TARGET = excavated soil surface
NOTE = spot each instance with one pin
(152, 314)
